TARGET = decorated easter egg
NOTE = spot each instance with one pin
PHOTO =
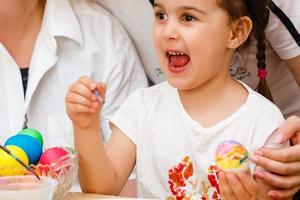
(8, 165)
(231, 155)
(33, 133)
(52, 155)
(29, 145)
(51, 160)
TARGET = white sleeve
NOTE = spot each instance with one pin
(136, 16)
(121, 81)
(278, 35)
(128, 115)
(268, 124)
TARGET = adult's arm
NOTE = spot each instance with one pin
(284, 164)
(294, 66)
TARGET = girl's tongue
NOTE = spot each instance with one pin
(179, 60)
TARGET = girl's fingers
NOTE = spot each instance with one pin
(238, 186)
(74, 98)
(222, 185)
(88, 82)
(82, 90)
(101, 88)
(87, 88)
(225, 188)
(248, 183)
(78, 108)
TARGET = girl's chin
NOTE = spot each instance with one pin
(181, 84)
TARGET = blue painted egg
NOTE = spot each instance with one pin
(30, 145)
(33, 133)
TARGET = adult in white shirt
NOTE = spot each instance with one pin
(283, 63)
(59, 41)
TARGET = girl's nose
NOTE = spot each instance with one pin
(171, 31)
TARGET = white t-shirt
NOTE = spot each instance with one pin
(164, 134)
(77, 38)
(137, 16)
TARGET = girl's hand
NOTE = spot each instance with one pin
(238, 185)
(83, 106)
(283, 163)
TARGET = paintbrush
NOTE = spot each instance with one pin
(99, 97)
(19, 161)
(96, 93)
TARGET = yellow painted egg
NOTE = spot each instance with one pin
(8, 165)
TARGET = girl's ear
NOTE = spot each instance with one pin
(240, 31)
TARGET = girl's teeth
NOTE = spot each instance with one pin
(175, 53)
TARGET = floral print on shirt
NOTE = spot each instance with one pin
(184, 185)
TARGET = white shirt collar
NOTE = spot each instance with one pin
(60, 20)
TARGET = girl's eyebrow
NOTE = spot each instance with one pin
(184, 8)
(193, 8)
(157, 5)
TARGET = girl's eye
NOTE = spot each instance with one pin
(161, 16)
(188, 18)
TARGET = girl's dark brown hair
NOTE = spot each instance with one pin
(259, 13)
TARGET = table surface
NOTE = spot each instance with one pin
(86, 196)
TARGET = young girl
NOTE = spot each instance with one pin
(283, 58)
(170, 131)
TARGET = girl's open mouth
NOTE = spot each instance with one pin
(178, 61)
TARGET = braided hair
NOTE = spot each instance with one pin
(259, 14)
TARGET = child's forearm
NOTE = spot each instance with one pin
(96, 173)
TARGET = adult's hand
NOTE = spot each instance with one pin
(283, 164)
